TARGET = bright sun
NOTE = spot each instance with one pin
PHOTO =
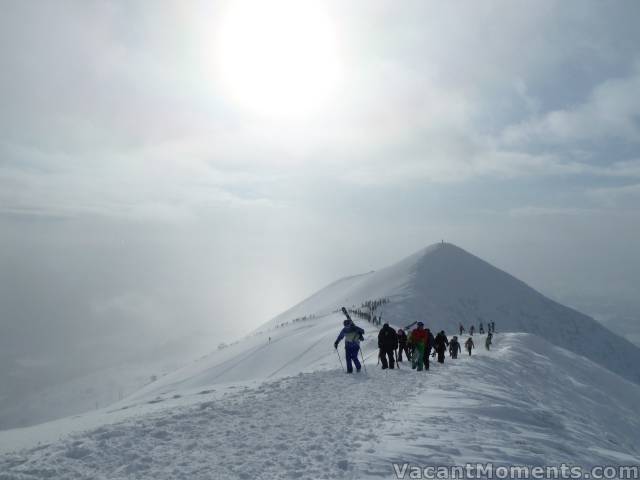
(278, 58)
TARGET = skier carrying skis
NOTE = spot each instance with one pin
(469, 345)
(402, 345)
(454, 347)
(418, 339)
(441, 343)
(461, 329)
(487, 342)
(352, 335)
(387, 344)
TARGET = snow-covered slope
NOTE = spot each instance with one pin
(304, 346)
(443, 285)
(526, 402)
(278, 405)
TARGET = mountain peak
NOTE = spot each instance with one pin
(442, 249)
(444, 286)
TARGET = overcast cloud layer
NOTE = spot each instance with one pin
(135, 196)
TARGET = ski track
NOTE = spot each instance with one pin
(326, 425)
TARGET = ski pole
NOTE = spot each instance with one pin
(340, 359)
(363, 365)
(395, 352)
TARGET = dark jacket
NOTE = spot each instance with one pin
(430, 341)
(387, 338)
(441, 342)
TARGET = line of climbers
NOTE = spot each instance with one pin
(491, 328)
(417, 346)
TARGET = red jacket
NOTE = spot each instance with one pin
(419, 336)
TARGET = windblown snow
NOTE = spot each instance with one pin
(278, 405)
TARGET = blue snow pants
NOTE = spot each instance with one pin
(351, 352)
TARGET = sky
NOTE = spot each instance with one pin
(202, 166)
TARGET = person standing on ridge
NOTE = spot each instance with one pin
(418, 339)
(352, 335)
(427, 348)
(454, 347)
(481, 329)
(461, 329)
(469, 345)
(441, 343)
(472, 329)
(402, 345)
(487, 342)
(387, 344)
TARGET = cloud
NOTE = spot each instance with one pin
(536, 211)
(123, 114)
(166, 181)
(611, 111)
(625, 197)
(134, 169)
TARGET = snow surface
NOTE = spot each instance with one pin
(525, 402)
(278, 405)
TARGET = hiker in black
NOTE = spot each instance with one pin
(481, 328)
(441, 344)
(469, 345)
(387, 343)
(461, 329)
(402, 345)
(454, 347)
(487, 342)
(472, 329)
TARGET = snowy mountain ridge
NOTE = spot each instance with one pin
(273, 404)
(443, 286)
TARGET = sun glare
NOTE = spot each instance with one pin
(278, 58)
